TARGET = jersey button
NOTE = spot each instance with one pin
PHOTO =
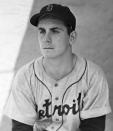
(56, 84)
(52, 127)
(56, 98)
(57, 119)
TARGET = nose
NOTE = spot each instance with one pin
(47, 37)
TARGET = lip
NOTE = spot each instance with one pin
(48, 48)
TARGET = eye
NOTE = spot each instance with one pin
(55, 31)
(41, 31)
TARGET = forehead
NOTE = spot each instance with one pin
(51, 22)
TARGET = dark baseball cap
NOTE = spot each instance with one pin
(56, 11)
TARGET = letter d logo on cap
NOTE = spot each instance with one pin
(49, 7)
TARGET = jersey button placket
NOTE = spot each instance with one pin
(56, 101)
(56, 97)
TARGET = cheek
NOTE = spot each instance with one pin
(39, 38)
(64, 41)
(59, 39)
(39, 41)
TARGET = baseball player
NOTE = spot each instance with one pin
(60, 91)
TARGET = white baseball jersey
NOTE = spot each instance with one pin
(58, 105)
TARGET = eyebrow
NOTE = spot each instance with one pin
(52, 28)
(57, 28)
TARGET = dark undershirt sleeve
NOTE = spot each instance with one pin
(18, 126)
(93, 124)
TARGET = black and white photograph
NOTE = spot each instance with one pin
(56, 65)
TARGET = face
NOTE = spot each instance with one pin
(53, 38)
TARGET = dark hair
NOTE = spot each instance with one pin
(69, 30)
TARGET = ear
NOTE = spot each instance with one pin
(73, 36)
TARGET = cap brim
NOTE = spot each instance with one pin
(34, 19)
(37, 17)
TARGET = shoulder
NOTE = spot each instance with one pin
(93, 69)
(95, 76)
(88, 67)
(28, 68)
(26, 71)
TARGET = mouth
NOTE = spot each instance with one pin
(48, 48)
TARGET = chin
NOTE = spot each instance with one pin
(48, 55)
(51, 55)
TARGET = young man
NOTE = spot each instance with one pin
(59, 91)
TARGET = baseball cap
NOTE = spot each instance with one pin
(56, 11)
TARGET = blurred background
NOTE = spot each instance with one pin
(18, 41)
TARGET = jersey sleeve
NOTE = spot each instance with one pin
(20, 105)
(96, 98)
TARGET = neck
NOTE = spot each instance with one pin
(59, 67)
